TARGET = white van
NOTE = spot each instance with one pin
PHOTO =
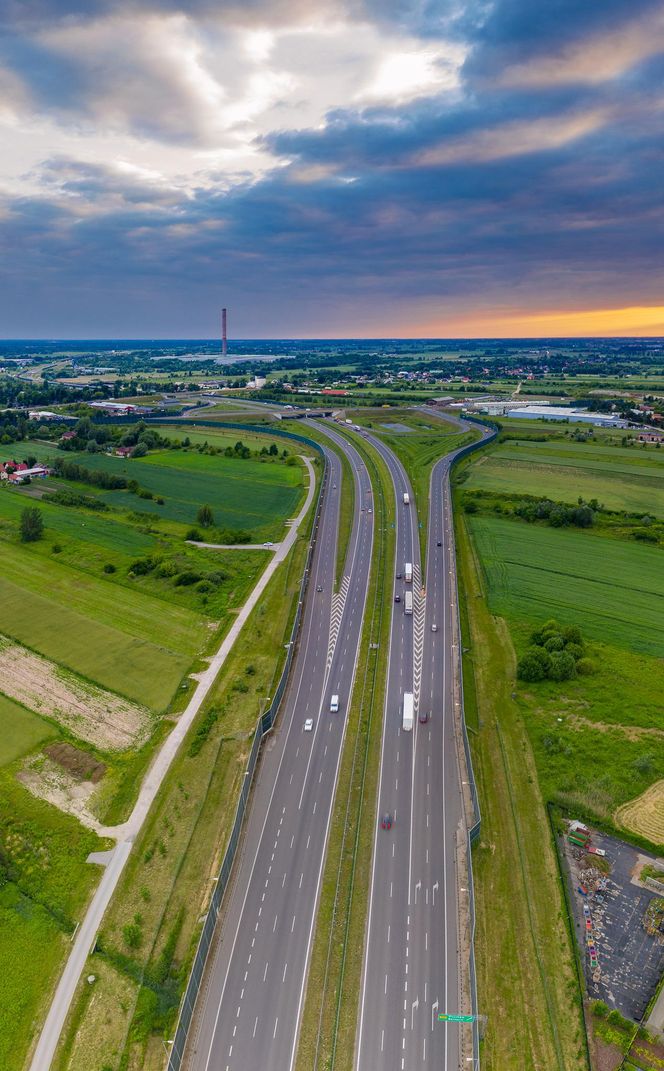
(334, 704)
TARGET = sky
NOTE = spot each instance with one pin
(331, 168)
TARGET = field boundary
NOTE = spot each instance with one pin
(264, 725)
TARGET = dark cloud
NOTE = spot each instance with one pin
(548, 194)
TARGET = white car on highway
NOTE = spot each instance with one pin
(308, 725)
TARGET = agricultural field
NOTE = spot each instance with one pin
(102, 619)
(621, 478)
(612, 589)
(592, 745)
(248, 495)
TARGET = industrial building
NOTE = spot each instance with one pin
(574, 416)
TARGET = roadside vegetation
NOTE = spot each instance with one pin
(144, 951)
(105, 610)
(588, 735)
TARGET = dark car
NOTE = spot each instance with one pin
(386, 821)
(439, 543)
(399, 576)
(397, 598)
(319, 588)
(424, 717)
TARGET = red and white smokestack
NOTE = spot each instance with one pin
(224, 339)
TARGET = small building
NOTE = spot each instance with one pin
(38, 472)
(43, 414)
(651, 437)
(8, 468)
(67, 436)
(123, 451)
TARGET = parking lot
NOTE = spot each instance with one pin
(629, 961)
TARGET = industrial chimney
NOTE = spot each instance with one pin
(224, 340)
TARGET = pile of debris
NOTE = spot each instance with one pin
(653, 920)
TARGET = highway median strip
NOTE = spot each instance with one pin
(327, 1033)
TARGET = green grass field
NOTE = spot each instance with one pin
(46, 883)
(21, 731)
(251, 495)
(612, 589)
(622, 478)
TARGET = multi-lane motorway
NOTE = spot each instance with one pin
(412, 968)
(249, 1009)
(248, 1014)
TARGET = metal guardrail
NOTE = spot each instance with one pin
(264, 725)
(473, 831)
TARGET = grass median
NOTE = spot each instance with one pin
(145, 948)
(327, 1034)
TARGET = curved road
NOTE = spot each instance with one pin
(248, 1012)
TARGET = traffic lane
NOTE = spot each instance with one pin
(249, 1046)
(384, 1009)
(252, 1051)
(317, 615)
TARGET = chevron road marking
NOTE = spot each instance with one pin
(418, 633)
(338, 604)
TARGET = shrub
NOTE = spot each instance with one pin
(204, 586)
(535, 664)
(56, 549)
(167, 569)
(586, 667)
(572, 634)
(575, 651)
(32, 524)
(563, 666)
(140, 450)
(132, 935)
(600, 1009)
(205, 516)
(470, 506)
(142, 566)
(554, 643)
(194, 534)
(186, 578)
(109, 567)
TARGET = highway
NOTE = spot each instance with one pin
(249, 1008)
(412, 969)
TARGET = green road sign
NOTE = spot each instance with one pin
(445, 1018)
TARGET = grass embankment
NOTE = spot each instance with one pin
(622, 478)
(526, 979)
(327, 1036)
(152, 926)
(418, 448)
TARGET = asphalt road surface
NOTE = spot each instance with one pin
(249, 1009)
(411, 961)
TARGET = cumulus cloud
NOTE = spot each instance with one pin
(328, 167)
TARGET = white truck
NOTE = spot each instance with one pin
(408, 602)
(408, 572)
(406, 498)
(408, 712)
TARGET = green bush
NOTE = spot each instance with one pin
(109, 567)
(600, 1009)
(563, 666)
(586, 667)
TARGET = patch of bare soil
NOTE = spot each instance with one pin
(48, 781)
(95, 715)
(80, 764)
(632, 732)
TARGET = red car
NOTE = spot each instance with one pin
(386, 821)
